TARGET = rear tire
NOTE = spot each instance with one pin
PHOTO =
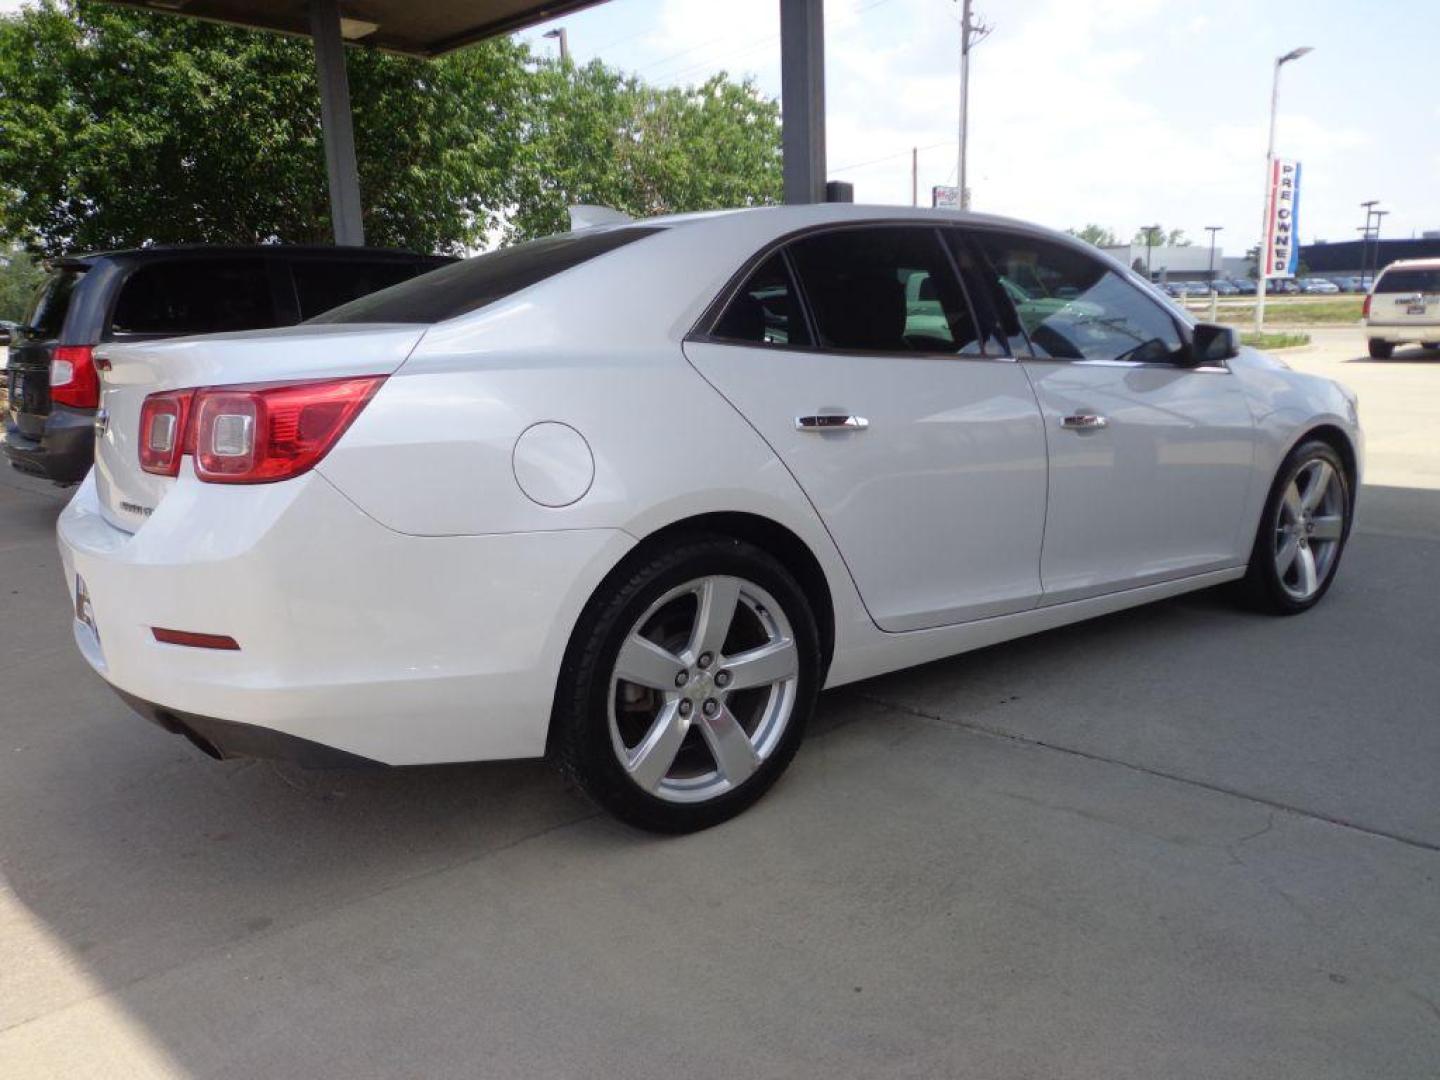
(1433, 346)
(1302, 532)
(723, 661)
(1381, 350)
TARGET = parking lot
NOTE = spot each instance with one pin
(1183, 841)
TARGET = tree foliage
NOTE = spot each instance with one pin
(1098, 235)
(124, 128)
(20, 276)
(1173, 238)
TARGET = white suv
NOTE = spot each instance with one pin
(1404, 307)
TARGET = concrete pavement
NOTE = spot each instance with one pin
(1183, 841)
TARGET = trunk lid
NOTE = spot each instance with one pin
(1407, 295)
(130, 373)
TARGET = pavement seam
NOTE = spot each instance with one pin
(110, 990)
(1220, 789)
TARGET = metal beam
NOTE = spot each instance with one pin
(802, 99)
(335, 121)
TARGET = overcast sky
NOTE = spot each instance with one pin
(1119, 112)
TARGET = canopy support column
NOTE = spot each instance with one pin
(802, 99)
(335, 121)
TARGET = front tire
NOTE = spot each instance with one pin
(1381, 350)
(687, 684)
(1302, 532)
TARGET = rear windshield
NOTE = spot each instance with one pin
(482, 279)
(1406, 281)
(195, 296)
(46, 317)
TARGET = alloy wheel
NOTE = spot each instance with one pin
(703, 688)
(1309, 528)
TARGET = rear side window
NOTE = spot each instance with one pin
(322, 284)
(1074, 307)
(46, 317)
(888, 289)
(465, 286)
(195, 296)
(766, 310)
(1406, 280)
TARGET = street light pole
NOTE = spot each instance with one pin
(1369, 207)
(1263, 250)
(1212, 230)
(564, 39)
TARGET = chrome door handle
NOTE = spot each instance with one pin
(1084, 422)
(831, 422)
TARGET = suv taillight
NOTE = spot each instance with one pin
(1365, 308)
(73, 379)
(163, 425)
(253, 434)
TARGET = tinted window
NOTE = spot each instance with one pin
(195, 296)
(883, 290)
(482, 279)
(1409, 281)
(765, 310)
(998, 323)
(321, 284)
(46, 317)
(1073, 307)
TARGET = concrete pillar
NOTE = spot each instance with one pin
(335, 121)
(802, 99)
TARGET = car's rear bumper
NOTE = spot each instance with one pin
(63, 453)
(384, 646)
(1403, 333)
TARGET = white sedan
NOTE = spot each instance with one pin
(629, 497)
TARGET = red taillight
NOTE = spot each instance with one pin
(73, 379)
(163, 426)
(258, 433)
(1365, 309)
(194, 640)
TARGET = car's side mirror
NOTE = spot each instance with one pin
(1212, 344)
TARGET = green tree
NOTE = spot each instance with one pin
(1098, 235)
(124, 128)
(598, 136)
(20, 276)
(1173, 238)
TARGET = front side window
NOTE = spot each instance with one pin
(195, 296)
(766, 310)
(886, 289)
(1073, 307)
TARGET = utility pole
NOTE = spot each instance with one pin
(1369, 207)
(971, 33)
(1150, 231)
(1377, 267)
(559, 33)
(914, 176)
(1264, 249)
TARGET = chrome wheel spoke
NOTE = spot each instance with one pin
(1286, 555)
(734, 753)
(1328, 528)
(652, 758)
(644, 663)
(1306, 579)
(714, 614)
(1321, 475)
(759, 667)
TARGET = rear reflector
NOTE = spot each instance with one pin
(195, 641)
(73, 379)
(1365, 310)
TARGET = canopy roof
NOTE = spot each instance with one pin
(425, 28)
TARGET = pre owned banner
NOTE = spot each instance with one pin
(1282, 244)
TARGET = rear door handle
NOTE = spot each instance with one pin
(831, 422)
(1084, 422)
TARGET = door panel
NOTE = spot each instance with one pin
(1158, 492)
(938, 505)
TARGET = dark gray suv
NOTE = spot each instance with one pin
(160, 292)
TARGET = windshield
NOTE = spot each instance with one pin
(482, 279)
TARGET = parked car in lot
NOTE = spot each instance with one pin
(1223, 287)
(630, 496)
(1243, 286)
(159, 292)
(1317, 286)
(1348, 284)
(1404, 307)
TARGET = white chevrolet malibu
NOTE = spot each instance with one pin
(631, 496)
